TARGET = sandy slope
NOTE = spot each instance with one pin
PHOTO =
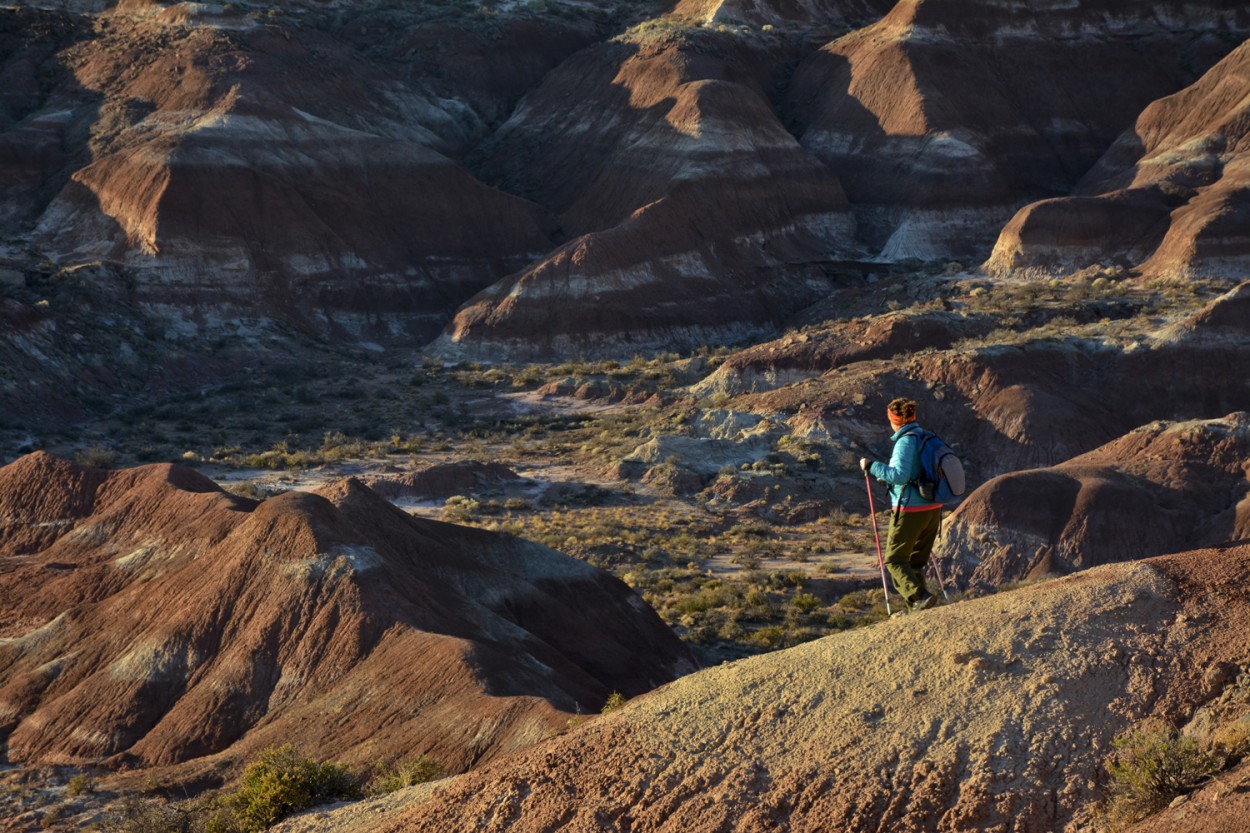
(989, 715)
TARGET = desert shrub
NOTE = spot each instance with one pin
(97, 457)
(335, 445)
(731, 630)
(1151, 765)
(77, 785)
(1232, 741)
(805, 602)
(705, 599)
(857, 599)
(460, 509)
(615, 701)
(248, 489)
(52, 815)
(756, 600)
(148, 815)
(407, 773)
(748, 560)
(281, 781)
(769, 637)
(839, 622)
(757, 529)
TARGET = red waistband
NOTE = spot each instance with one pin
(928, 507)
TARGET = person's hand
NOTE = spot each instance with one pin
(863, 464)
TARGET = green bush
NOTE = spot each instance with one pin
(615, 701)
(97, 457)
(769, 637)
(1151, 765)
(460, 509)
(407, 773)
(281, 781)
(77, 785)
(806, 602)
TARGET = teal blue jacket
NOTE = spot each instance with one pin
(903, 468)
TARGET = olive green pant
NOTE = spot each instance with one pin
(911, 541)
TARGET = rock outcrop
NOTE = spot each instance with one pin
(943, 118)
(1170, 196)
(991, 714)
(439, 482)
(1162, 488)
(690, 213)
(816, 351)
(150, 618)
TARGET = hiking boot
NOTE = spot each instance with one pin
(924, 602)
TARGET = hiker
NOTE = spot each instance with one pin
(915, 522)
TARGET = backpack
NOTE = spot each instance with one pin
(941, 477)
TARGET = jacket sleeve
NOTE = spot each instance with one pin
(901, 469)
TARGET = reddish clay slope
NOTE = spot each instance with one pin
(992, 714)
(945, 116)
(275, 171)
(1172, 195)
(151, 618)
(693, 213)
(1161, 488)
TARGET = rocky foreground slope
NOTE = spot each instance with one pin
(150, 619)
(993, 714)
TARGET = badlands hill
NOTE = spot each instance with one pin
(685, 198)
(993, 714)
(271, 170)
(1169, 196)
(941, 116)
(544, 177)
(151, 619)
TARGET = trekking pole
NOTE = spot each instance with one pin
(941, 581)
(880, 558)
